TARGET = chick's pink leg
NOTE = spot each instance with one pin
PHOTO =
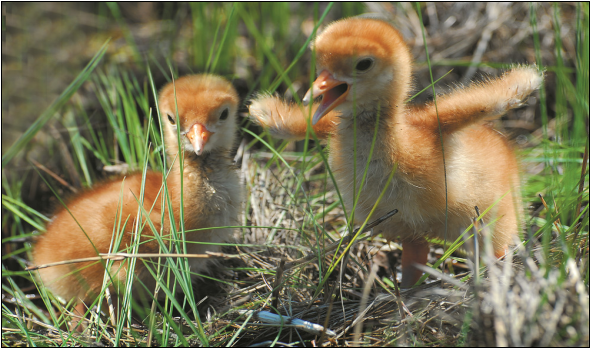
(415, 252)
(79, 310)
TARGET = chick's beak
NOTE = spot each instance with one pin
(334, 92)
(198, 135)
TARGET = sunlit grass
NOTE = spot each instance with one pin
(133, 138)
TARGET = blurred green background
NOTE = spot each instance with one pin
(45, 45)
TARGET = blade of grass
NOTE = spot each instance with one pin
(54, 107)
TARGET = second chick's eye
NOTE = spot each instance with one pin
(364, 64)
(224, 114)
(171, 119)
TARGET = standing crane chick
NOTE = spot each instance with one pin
(198, 112)
(365, 71)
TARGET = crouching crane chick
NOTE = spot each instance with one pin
(365, 70)
(198, 113)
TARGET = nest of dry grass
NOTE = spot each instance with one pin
(513, 303)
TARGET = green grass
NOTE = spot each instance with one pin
(279, 50)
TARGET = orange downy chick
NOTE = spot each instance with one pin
(211, 193)
(365, 71)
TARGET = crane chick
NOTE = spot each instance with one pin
(198, 113)
(365, 73)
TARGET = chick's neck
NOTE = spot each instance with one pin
(200, 167)
(378, 119)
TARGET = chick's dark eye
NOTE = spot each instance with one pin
(364, 64)
(171, 119)
(224, 114)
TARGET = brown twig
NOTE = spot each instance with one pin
(547, 207)
(123, 256)
(53, 175)
(277, 284)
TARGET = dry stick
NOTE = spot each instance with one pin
(53, 175)
(547, 208)
(277, 285)
(268, 286)
(123, 256)
(398, 295)
(476, 246)
(107, 293)
(558, 220)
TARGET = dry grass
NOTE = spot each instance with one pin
(534, 298)
(515, 303)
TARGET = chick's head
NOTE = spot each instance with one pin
(360, 61)
(202, 109)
